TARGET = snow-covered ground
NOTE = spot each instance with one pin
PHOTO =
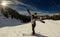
(49, 29)
(14, 28)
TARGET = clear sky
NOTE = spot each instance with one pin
(49, 6)
(44, 5)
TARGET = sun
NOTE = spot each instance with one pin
(3, 3)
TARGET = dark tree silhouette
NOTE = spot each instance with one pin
(14, 14)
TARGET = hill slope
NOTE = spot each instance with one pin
(49, 29)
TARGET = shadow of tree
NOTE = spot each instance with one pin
(10, 24)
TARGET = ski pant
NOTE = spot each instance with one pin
(33, 28)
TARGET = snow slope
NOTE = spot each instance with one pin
(8, 21)
(49, 29)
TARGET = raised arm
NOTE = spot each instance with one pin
(40, 19)
(28, 11)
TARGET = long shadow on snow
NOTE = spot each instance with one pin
(39, 35)
(8, 25)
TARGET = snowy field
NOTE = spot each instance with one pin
(49, 29)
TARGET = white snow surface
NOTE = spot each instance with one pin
(15, 28)
(50, 29)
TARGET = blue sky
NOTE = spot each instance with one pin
(47, 6)
(51, 6)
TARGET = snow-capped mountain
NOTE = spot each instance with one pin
(8, 21)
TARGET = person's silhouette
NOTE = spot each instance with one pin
(34, 17)
(33, 20)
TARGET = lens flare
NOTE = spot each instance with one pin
(4, 3)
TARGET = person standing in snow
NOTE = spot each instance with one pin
(34, 17)
(33, 20)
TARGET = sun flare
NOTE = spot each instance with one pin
(4, 3)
